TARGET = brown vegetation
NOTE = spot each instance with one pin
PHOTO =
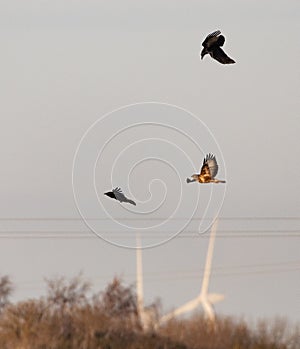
(66, 318)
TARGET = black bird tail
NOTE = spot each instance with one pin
(131, 202)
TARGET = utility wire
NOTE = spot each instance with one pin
(143, 219)
(219, 271)
(225, 234)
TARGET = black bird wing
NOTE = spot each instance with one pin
(218, 54)
(121, 197)
(221, 40)
(211, 39)
(209, 168)
(119, 194)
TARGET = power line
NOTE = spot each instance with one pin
(228, 231)
(237, 273)
(144, 219)
(222, 234)
(16, 237)
(218, 271)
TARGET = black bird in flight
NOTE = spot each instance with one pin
(212, 45)
(208, 171)
(118, 195)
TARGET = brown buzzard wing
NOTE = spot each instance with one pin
(209, 168)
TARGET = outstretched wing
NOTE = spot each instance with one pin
(211, 39)
(218, 54)
(117, 190)
(118, 194)
(210, 167)
(121, 197)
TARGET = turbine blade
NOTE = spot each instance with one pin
(187, 307)
(207, 300)
(215, 297)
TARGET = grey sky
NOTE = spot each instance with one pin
(65, 64)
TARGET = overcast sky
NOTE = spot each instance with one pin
(67, 64)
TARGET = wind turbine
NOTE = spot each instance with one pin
(204, 298)
(145, 315)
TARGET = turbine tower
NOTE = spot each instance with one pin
(204, 298)
(145, 315)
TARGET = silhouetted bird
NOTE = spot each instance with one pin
(212, 45)
(208, 172)
(118, 195)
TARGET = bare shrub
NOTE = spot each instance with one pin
(68, 319)
(118, 303)
(65, 298)
(22, 324)
(231, 333)
(6, 289)
(63, 294)
(118, 300)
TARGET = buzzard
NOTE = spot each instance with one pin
(208, 171)
(118, 195)
(212, 45)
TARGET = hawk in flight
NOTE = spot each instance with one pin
(208, 171)
(212, 45)
(118, 195)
